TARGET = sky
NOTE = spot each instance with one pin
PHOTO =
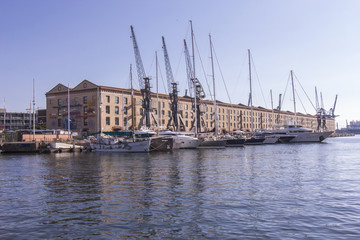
(67, 41)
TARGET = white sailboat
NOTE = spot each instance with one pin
(123, 145)
(253, 139)
(213, 141)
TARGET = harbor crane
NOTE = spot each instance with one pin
(173, 93)
(144, 83)
(196, 88)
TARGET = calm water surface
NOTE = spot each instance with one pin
(302, 191)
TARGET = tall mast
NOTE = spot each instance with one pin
(195, 90)
(157, 92)
(34, 109)
(132, 105)
(98, 109)
(213, 77)
(251, 104)
(272, 110)
(4, 114)
(293, 90)
(68, 105)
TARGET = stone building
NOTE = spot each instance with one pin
(95, 108)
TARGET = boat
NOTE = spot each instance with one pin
(121, 146)
(180, 140)
(295, 133)
(123, 141)
(298, 132)
(253, 139)
(212, 142)
(234, 142)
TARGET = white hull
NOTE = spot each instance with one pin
(181, 141)
(58, 145)
(123, 147)
(310, 137)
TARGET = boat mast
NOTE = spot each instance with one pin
(132, 105)
(251, 104)
(213, 77)
(68, 105)
(5, 114)
(34, 109)
(293, 90)
(157, 92)
(272, 110)
(195, 90)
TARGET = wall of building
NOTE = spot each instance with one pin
(115, 111)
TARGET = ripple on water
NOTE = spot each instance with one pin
(257, 192)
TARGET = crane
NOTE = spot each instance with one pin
(144, 83)
(173, 90)
(193, 82)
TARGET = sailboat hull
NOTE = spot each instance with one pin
(123, 147)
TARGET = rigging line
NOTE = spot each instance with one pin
(304, 92)
(162, 79)
(222, 76)
(152, 63)
(202, 66)
(179, 62)
(137, 82)
(257, 77)
(241, 71)
(287, 84)
(297, 94)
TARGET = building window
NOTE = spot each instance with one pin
(186, 115)
(117, 121)
(85, 110)
(85, 100)
(186, 123)
(59, 122)
(191, 115)
(59, 102)
(116, 110)
(125, 111)
(59, 112)
(141, 111)
(107, 109)
(162, 112)
(85, 121)
(107, 121)
(169, 113)
(186, 107)
(116, 100)
(125, 122)
(163, 104)
(125, 100)
(163, 121)
(141, 102)
(108, 99)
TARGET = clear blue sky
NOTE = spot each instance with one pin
(66, 41)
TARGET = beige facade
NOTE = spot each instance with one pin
(96, 108)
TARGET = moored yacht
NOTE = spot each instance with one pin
(180, 140)
(297, 133)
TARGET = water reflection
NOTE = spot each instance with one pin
(281, 191)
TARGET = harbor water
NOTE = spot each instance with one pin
(290, 191)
